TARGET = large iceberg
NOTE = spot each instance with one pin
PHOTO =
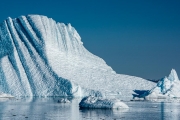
(39, 57)
(167, 87)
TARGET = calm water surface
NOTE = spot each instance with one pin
(50, 109)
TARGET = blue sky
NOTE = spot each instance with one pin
(134, 37)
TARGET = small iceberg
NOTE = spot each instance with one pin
(167, 87)
(95, 102)
(4, 95)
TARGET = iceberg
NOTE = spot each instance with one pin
(167, 87)
(41, 57)
(94, 102)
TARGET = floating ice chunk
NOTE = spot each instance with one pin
(3, 95)
(63, 100)
(94, 102)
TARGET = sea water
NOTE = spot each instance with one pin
(50, 109)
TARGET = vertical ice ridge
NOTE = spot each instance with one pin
(35, 70)
(20, 54)
(30, 50)
(68, 41)
(37, 29)
(5, 49)
(60, 28)
(39, 62)
(35, 39)
(29, 47)
(10, 73)
(12, 60)
(57, 78)
(64, 87)
(59, 39)
(29, 29)
(3, 84)
(5, 43)
(23, 48)
(15, 67)
(24, 78)
(75, 41)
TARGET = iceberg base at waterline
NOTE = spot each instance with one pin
(4, 95)
(100, 103)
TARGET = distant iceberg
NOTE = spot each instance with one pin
(167, 87)
(39, 57)
(100, 103)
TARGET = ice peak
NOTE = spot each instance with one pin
(69, 25)
(173, 75)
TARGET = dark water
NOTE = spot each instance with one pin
(50, 109)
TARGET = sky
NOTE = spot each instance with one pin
(134, 37)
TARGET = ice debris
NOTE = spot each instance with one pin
(63, 100)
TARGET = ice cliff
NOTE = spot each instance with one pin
(39, 57)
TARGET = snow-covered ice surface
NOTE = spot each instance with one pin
(39, 57)
(95, 102)
(167, 87)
